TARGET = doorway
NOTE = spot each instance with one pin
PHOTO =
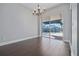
(52, 27)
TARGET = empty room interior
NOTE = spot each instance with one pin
(39, 29)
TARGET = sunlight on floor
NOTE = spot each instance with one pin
(53, 45)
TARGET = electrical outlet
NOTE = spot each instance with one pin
(2, 38)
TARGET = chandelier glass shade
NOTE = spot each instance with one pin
(38, 11)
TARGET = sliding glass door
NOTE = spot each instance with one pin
(56, 29)
(45, 28)
(52, 28)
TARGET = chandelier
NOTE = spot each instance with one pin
(38, 11)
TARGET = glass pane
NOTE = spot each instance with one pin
(56, 29)
(45, 28)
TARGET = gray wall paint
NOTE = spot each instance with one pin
(64, 9)
(78, 29)
(0, 22)
(16, 22)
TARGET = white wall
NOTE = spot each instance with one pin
(16, 22)
(63, 9)
(74, 28)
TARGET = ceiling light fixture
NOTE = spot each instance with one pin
(38, 11)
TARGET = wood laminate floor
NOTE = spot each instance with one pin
(36, 47)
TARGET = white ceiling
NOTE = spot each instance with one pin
(42, 5)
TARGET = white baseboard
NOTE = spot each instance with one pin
(18, 40)
(72, 54)
(66, 40)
